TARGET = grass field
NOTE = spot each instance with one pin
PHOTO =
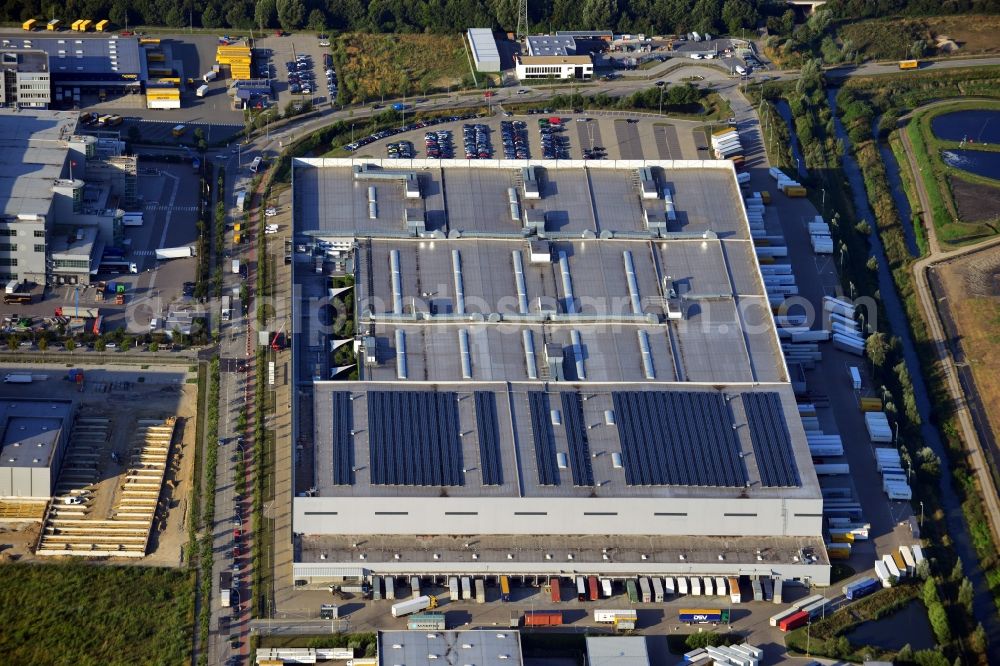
(93, 615)
(952, 229)
(891, 39)
(373, 66)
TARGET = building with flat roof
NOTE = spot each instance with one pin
(46, 195)
(617, 651)
(483, 45)
(87, 63)
(553, 56)
(551, 45)
(481, 647)
(537, 354)
(25, 81)
(33, 439)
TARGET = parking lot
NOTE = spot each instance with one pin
(287, 49)
(575, 136)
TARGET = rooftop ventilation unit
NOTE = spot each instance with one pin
(541, 252)
(554, 359)
(647, 183)
(529, 177)
(534, 220)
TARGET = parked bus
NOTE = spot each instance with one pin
(909, 64)
(255, 165)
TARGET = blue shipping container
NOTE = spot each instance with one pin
(861, 588)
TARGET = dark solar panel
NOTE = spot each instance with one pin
(677, 438)
(772, 445)
(545, 446)
(489, 437)
(414, 438)
(576, 435)
(343, 442)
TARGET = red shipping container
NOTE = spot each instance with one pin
(592, 587)
(793, 621)
(554, 584)
(542, 618)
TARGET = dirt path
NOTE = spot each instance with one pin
(936, 333)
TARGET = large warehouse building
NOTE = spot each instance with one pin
(33, 438)
(556, 374)
(485, 54)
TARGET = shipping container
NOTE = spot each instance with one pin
(453, 589)
(720, 586)
(657, 589)
(29, 24)
(758, 591)
(645, 590)
(703, 615)
(466, 588)
(734, 590)
(415, 586)
(376, 588)
(668, 586)
(101, 26)
(695, 586)
(766, 583)
(427, 622)
(413, 606)
(504, 589)
(883, 573)
(480, 591)
(607, 587)
(630, 588)
(581, 588)
(861, 588)
(542, 618)
(708, 586)
(554, 590)
(900, 564)
(802, 603)
(778, 617)
(778, 585)
(793, 621)
(911, 564)
(890, 564)
(592, 591)
(817, 609)
(390, 588)
(608, 616)
(682, 585)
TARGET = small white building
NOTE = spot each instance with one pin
(554, 67)
(485, 53)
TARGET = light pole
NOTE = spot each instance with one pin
(921, 514)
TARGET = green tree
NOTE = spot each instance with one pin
(905, 653)
(99, 344)
(965, 594)
(210, 17)
(317, 21)
(264, 14)
(70, 344)
(957, 572)
(12, 342)
(876, 348)
(939, 623)
(43, 344)
(872, 264)
(291, 13)
(738, 14)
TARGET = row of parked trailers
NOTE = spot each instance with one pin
(799, 613)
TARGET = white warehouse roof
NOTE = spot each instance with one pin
(484, 49)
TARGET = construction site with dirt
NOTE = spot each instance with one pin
(96, 462)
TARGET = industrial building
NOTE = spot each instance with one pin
(553, 365)
(617, 651)
(483, 45)
(480, 647)
(26, 81)
(60, 194)
(554, 56)
(33, 440)
(74, 66)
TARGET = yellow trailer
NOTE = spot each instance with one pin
(841, 537)
(53, 25)
(29, 24)
(75, 25)
(909, 64)
(765, 196)
(839, 551)
(101, 26)
(795, 191)
(147, 41)
(85, 25)
(871, 405)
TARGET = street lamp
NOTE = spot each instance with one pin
(921, 514)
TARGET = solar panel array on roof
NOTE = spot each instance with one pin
(414, 438)
(576, 435)
(677, 438)
(545, 446)
(772, 445)
(343, 441)
(489, 438)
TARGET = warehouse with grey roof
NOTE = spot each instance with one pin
(551, 352)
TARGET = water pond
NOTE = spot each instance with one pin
(907, 625)
(976, 126)
(979, 162)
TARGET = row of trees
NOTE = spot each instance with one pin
(648, 16)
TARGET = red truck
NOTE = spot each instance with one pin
(542, 618)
